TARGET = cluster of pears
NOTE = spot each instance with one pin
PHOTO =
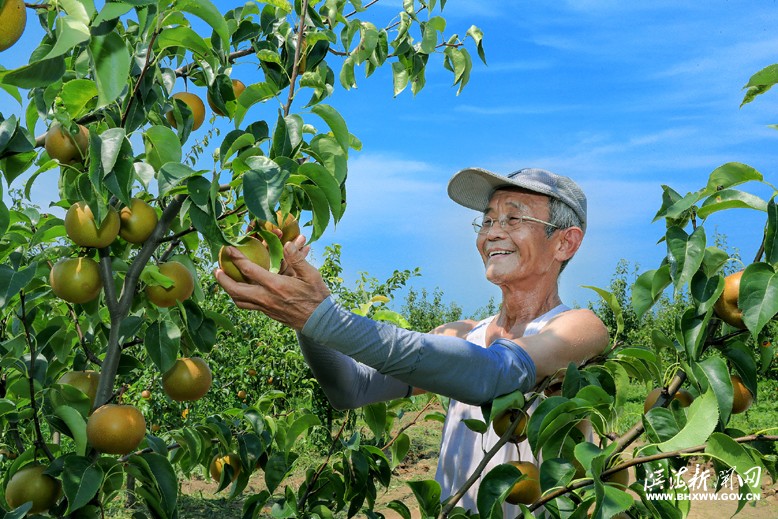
(197, 107)
(77, 280)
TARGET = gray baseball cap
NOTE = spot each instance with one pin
(473, 187)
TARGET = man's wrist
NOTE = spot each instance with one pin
(310, 328)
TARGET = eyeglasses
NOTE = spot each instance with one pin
(484, 224)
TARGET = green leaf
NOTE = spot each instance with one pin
(399, 449)
(758, 296)
(400, 77)
(648, 289)
(111, 61)
(705, 291)
(81, 481)
(299, 426)
(112, 11)
(701, 421)
(319, 208)
(375, 417)
(613, 303)
(713, 260)
(5, 218)
(336, 123)
(83, 10)
(730, 452)
(77, 425)
(613, 502)
(39, 73)
(494, 487)
(162, 146)
(684, 254)
(76, 95)
(182, 37)
(760, 83)
(206, 11)
(477, 35)
(691, 331)
(263, 185)
(70, 32)
(330, 154)
(713, 373)
(514, 400)
(742, 358)
(173, 175)
(256, 93)
(12, 281)
(165, 482)
(430, 36)
(162, 342)
(730, 199)
(729, 175)
(427, 493)
(669, 198)
(276, 469)
(475, 425)
(327, 183)
(771, 233)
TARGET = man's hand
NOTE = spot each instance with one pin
(289, 297)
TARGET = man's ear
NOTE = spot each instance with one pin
(569, 241)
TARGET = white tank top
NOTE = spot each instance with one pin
(461, 449)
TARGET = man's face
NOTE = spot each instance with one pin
(521, 254)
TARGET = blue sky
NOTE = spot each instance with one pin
(621, 96)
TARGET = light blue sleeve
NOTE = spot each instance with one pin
(446, 365)
(349, 384)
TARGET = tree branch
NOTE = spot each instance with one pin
(639, 461)
(486, 459)
(122, 309)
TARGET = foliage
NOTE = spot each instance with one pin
(110, 71)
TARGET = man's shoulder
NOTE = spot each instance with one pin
(456, 328)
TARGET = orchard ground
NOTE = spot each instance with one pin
(199, 500)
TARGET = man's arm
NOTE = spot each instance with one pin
(446, 365)
(349, 384)
(572, 336)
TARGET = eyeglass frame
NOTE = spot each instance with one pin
(480, 228)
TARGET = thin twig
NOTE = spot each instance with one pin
(324, 464)
(81, 339)
(143, 71)
(297, 52)
(39, 441)
(408, 425)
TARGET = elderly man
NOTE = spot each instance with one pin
(531, 224)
